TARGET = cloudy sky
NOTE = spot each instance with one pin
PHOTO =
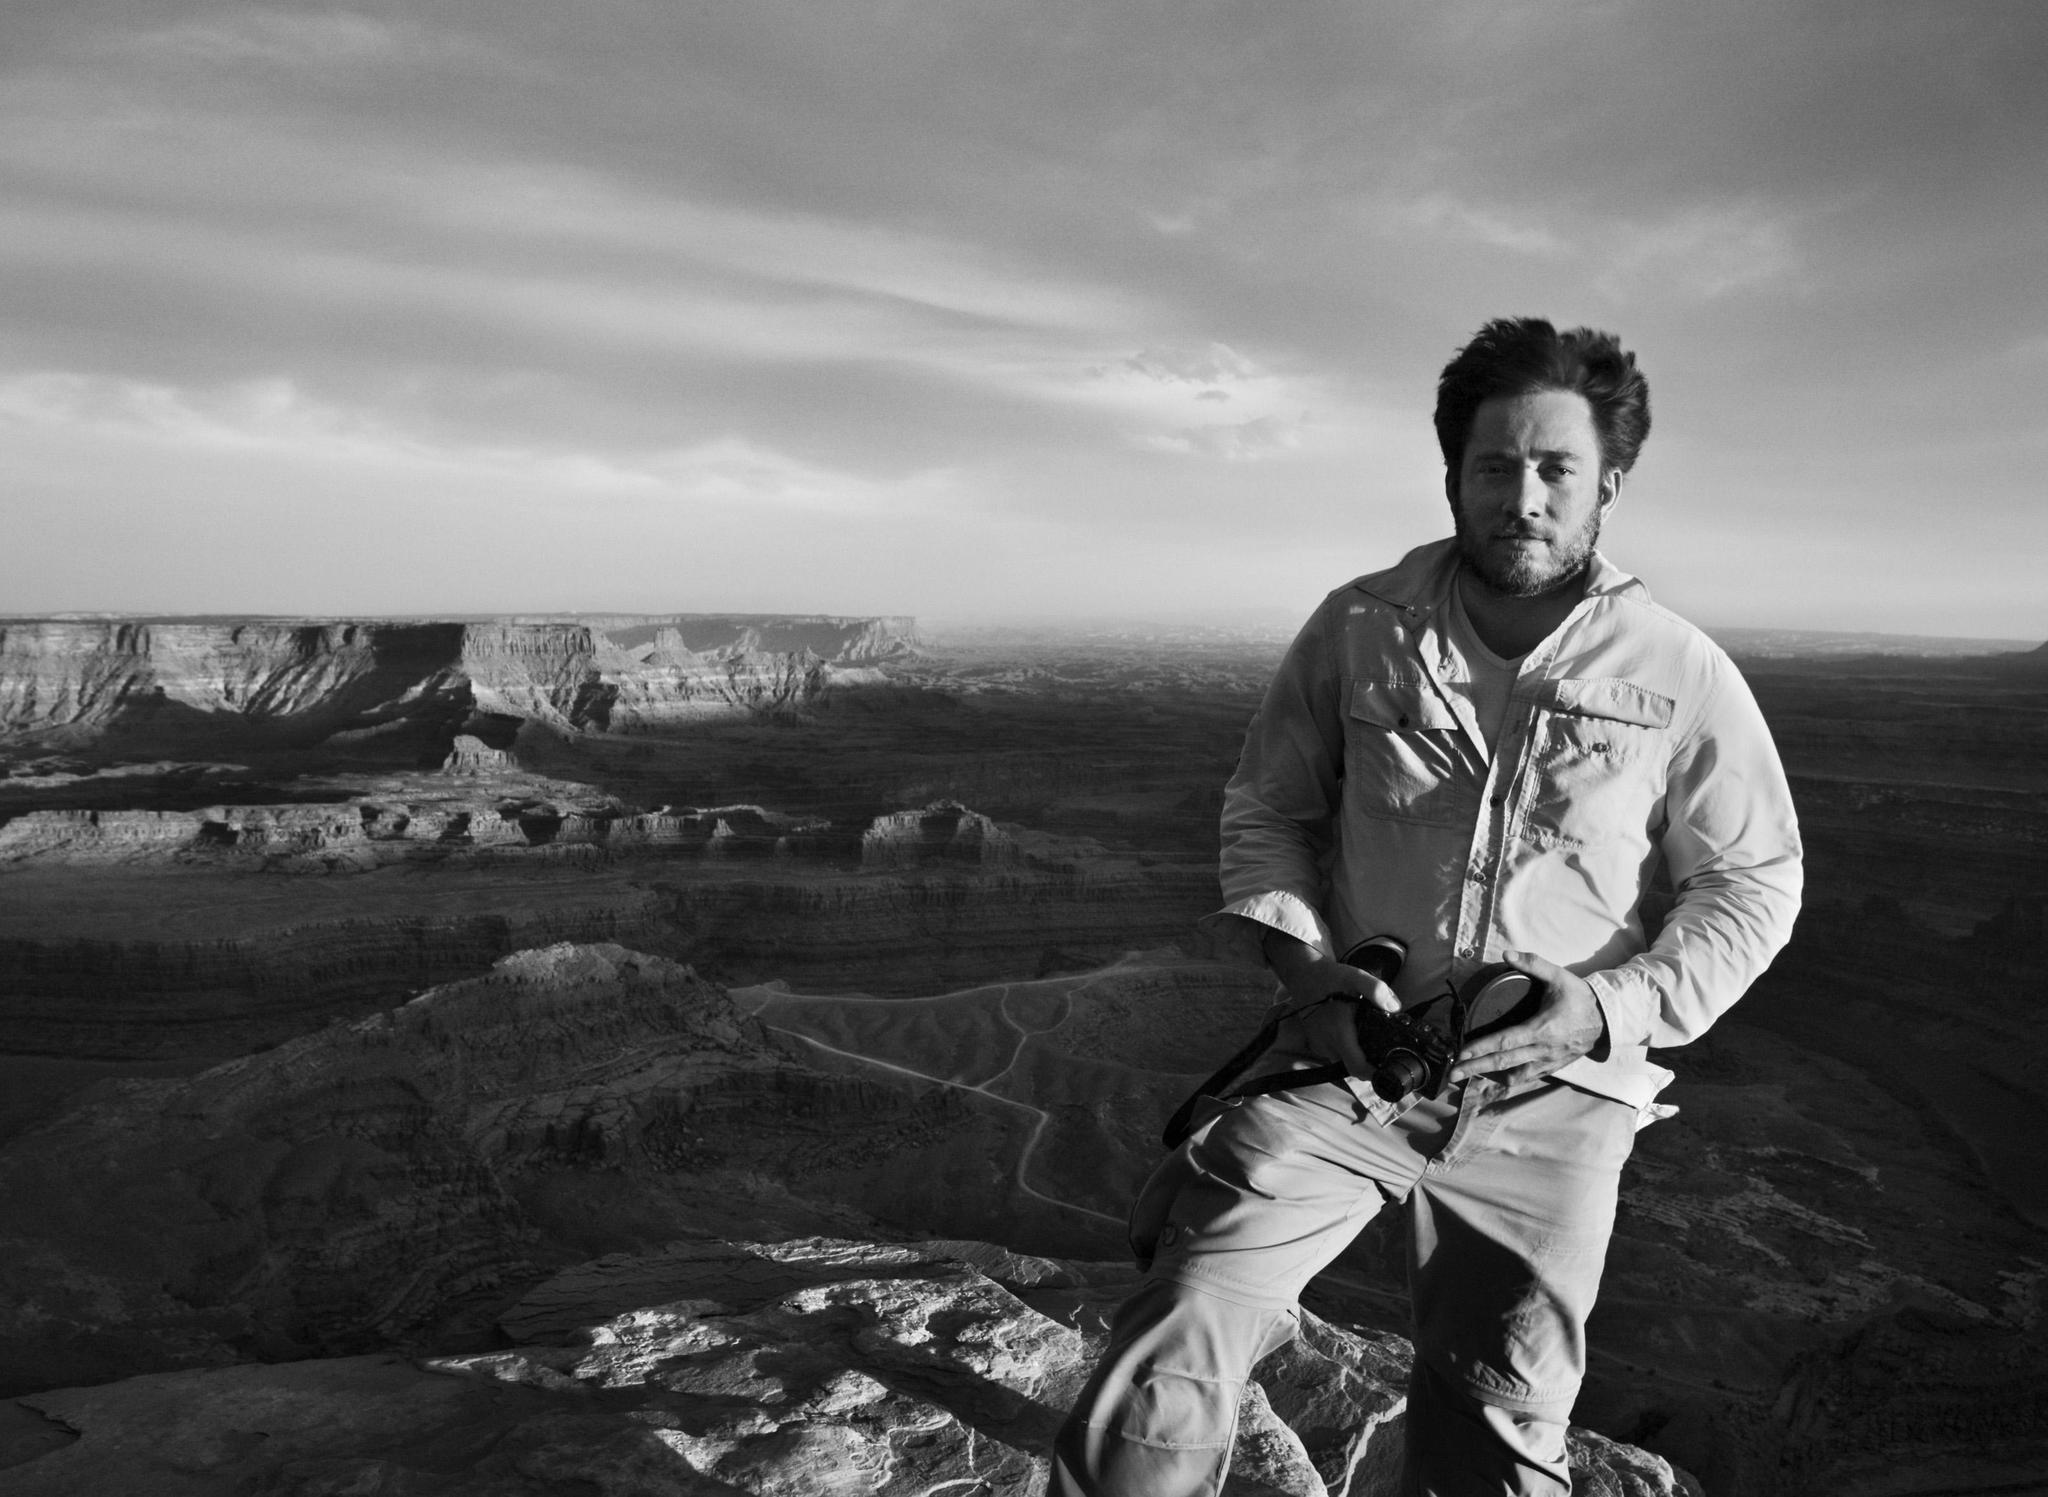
(971, 309)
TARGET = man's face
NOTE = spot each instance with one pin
(1530, 493)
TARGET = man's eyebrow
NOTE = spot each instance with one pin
(1576, 452)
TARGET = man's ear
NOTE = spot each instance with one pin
(1451, 487)
(1610, 489)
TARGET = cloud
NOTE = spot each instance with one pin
(1261, 437)
(564, 208)
(256, 35)
(792, 255)
(265, 414)
(551, 259)
(1215, 365)
(275, 418)
(1707, 250)
(1204, 400)
(1444, 216)
(542, 264)
(1702, 249)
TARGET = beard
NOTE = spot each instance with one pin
(1520, 572)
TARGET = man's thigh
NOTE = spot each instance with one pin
(1507, 1242)
(1266, 1195)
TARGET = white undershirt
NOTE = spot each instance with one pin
(1489, 678)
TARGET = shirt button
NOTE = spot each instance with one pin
(1468, 951)
(1499, 800)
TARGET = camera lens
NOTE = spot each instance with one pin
(1398, 1075)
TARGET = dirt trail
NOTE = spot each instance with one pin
(761, 1001)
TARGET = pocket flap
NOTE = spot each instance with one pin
(1399, 706)
(1617, 701)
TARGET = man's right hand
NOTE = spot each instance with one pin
(1328, 1029)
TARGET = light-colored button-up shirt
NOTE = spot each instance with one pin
(1368, 801)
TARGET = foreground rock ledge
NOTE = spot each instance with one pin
(796, 1369)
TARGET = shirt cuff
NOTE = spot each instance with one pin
(1284, 912)
(1628, 1005)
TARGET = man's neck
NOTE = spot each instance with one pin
(1510, 626)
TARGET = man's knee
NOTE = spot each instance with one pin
(1159, 1413)
(1459, 1446)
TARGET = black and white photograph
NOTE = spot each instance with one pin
(904, 749)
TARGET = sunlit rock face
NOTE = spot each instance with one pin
(79, 679)
(72, 682)
(808, 1366)
(947, 831)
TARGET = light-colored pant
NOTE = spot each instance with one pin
(1509, 1200)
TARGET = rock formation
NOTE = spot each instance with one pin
(423, 1181)
(471, 756)
(371, 1183)
(946, 830)
(812, 1366)
(290, 684)
(913, 877)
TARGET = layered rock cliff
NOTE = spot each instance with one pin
(292, 684)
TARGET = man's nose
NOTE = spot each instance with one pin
(1532, 495)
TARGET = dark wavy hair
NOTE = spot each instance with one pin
(1520, 355)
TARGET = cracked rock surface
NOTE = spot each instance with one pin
(810, 1368)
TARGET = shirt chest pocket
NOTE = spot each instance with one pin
(1599, 756)
(1405, 757)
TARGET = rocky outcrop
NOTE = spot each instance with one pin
(347, 1189)
(131, 933)
(99, 835)
(295, 680)
(802, 1367)
(288, 684)
(374, 1183)
(945, 831)
(470, 756)
(365, 834)
(697, 638)
(261, 971)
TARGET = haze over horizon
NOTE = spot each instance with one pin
(921, 309)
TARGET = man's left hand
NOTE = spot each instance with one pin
(1566, 1026)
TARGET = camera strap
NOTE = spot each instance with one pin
(1492, 998)
(1193, 1112)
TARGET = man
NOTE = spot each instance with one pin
(1487, 751)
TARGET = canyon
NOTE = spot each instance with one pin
(368, 988)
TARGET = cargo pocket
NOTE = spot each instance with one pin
(1149, 1213)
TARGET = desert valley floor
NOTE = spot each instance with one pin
(771, 931)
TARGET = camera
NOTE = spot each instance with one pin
(1411, 1057)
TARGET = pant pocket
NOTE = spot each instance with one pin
(1154, 1205)
(1171, 1410)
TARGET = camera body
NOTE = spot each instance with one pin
(1411, 1057)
